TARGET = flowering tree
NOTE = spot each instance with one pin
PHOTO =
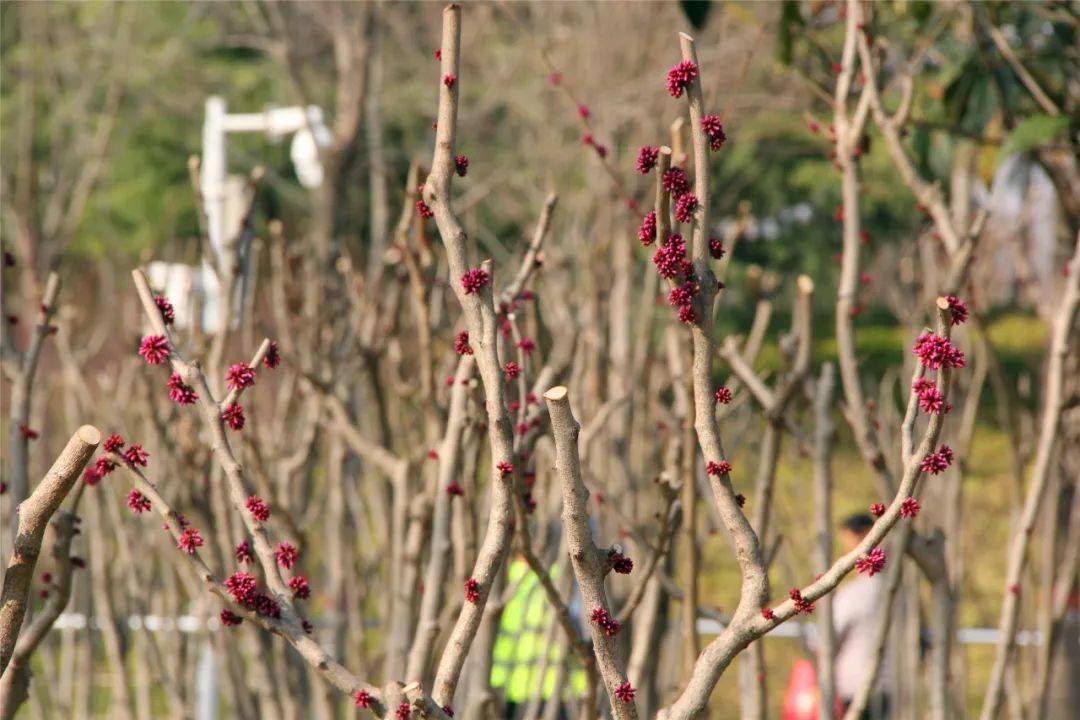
(341, 522)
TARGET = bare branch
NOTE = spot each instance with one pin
(1053, 405)
(34, 514)
(22, 388)
(590, 563)
(479, 311)
(529, 261)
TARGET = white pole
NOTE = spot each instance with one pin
(212, 178)
(207, 691)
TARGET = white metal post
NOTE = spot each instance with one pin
(207, 684)
(212, 177)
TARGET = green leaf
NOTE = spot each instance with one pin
(1032, 132)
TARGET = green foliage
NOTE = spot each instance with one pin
(1031, 132)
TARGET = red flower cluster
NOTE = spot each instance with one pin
(472, 590)
(363, 699)
(682, 297)
(871, 563)
(714, 130)
(718, 468)
(180, 392)
(474, 279)
(300, 587)
(135, 455)
(526, 345)
(512, 370)
(28, 432)
(685, 207)
(461, 165)
(258, 508)
(625, 692)
(680, 76)
(716, 248)
(230, 619)
(233, 415)
(168, 315)
(646, 159)
(909, 508)
(154, 349)
(801, 604)
(267, 606)
(286, 554)
(114, 443)
(589, 140)
(402, 712)
(505, 467)
(529, 500)
(930, 399)
(240, 376)
(461, 343)
(936, 463)
(603, 619)
(137, 502)
(449, 79)
(723, 395)
(670, 258)
(620, 563)
(272, 358)
(424, 210)
(91, 475)
(99, 470)
(455, 490)
(242, 587)
(190, 540)
(243, 553)
(768, 613)
(877, 509)
(675, 182)
(935, 351)
(957, 309)
(647, 232)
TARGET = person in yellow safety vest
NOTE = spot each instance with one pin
(518, 664)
